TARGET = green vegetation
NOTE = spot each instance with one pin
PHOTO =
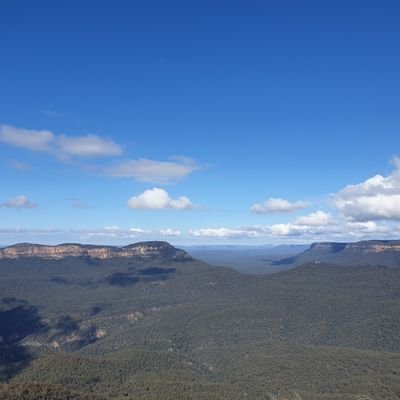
(118, 329)
(36, 391)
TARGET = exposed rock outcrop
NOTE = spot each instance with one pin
(368, 252)
(372, 246)
(142, 251)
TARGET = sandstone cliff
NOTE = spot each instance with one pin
(385, 253)
(372, 246)
(142, 250)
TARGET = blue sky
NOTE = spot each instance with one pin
(199, 122)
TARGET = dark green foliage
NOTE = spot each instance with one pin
(40, 391)
(122, 279)
(17, 320)
(66, 324)
(156, 271)
(186, 330)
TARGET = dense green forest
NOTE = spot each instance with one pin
(81, 328)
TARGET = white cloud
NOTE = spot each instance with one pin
(66, 147)
(274, 205)
(138, 231)
(316, 223)
(170, 232)
(87, 146)
(61, 146)
(317, 218)
(28, 139)
(115, 232)
(18, 202)
(21, 231)
(224, 233)
(377, 198)
(153, 171)
(361, 228)
(111, 228)
(159, 199)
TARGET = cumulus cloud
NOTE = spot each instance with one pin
(274, 205)
(159, 199)
(317, 226)
(369, 227)
(317, 218)
(315, 223)
(18, 202)
(377, 198)
(62, 146)
(153, 171)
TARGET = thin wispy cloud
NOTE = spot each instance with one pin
(18, 202)
(62, 146)
(225, 233)
(67, 147)
(51, 113)
(153, 171)
(79, 204)
(20, 165)
(87, 146)
(108, 232)
(33, 140)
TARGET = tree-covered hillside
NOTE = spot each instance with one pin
(120, 328)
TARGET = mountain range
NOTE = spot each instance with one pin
(267, 259)
(162, 325)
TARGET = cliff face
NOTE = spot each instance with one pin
(374, 247)
(368, 246)
(142, 251)
(368, 252)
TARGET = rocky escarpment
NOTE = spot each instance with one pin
(368, 246)
(384, 253)
(142, 251)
